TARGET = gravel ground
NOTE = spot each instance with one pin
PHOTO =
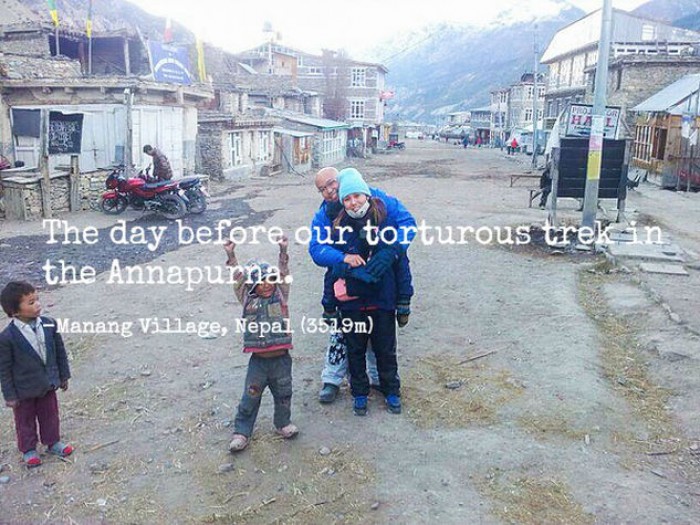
(576, 411)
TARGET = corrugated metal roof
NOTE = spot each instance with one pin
(673, 98)
(627, 27)
(293, 132)
(247, 68)
(314, 121)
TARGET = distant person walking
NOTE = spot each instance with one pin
(513, 146)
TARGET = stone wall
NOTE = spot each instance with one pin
(21, 198)
(92, 186)
(210, 150)
(25, 44)
(632, 80)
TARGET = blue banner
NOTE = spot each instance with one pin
(170, 63)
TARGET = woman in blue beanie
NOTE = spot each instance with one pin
(367, 293)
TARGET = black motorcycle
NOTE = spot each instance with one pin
(193, 193)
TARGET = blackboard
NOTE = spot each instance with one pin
(65, 133)
(573, 162)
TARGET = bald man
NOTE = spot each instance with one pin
(336, 363)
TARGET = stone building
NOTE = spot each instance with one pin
(574, 48)
(498, 110)
(235, 146)
(237, 138)
(481, 123)
(352, 90)
(120, 107)
(520, 107)
(634, 78)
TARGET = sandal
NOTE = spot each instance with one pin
(31, 459)
(60, 449)
(288, 432)
(238, 443)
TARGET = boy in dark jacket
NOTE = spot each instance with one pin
(33, 365)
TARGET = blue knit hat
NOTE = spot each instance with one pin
(351, 181)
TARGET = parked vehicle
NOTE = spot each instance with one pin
(191, 190)
(161, 197)
(193, 193)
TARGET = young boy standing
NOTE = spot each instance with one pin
(264, 291)
(33, 365)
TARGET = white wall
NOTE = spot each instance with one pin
(167, 128)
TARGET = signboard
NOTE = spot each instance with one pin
(170, 63)
(686, 121)
(65, 133)
(573, 169)
(580, 119)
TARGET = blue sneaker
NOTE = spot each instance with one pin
(393, 403)
(360, 406)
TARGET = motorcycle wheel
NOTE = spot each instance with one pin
(197, 202)
(172, 207)
(114, 205)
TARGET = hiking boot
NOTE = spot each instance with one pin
(360, 406)
(328, 393)
(393, 403)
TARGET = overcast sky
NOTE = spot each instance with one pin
(352, 25)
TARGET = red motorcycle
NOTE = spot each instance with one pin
(161, 197)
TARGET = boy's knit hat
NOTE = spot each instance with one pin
(256, 272)
(351, 181)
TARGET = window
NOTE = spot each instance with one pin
(263, 145)
(357, 109)
(554, 75)
(358, 76)
(302, 150)
(578, 64)
(529, 91)
(565, 73)
(642, 143)
(236, 149)
(528, 115)
(314, 70)
(659, 144)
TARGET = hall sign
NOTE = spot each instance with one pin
(580, 118)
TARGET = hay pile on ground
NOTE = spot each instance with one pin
(445, 390)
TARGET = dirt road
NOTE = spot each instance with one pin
(537, 388)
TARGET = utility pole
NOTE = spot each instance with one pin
(595, 143)
(267, 28)
(535, 96)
